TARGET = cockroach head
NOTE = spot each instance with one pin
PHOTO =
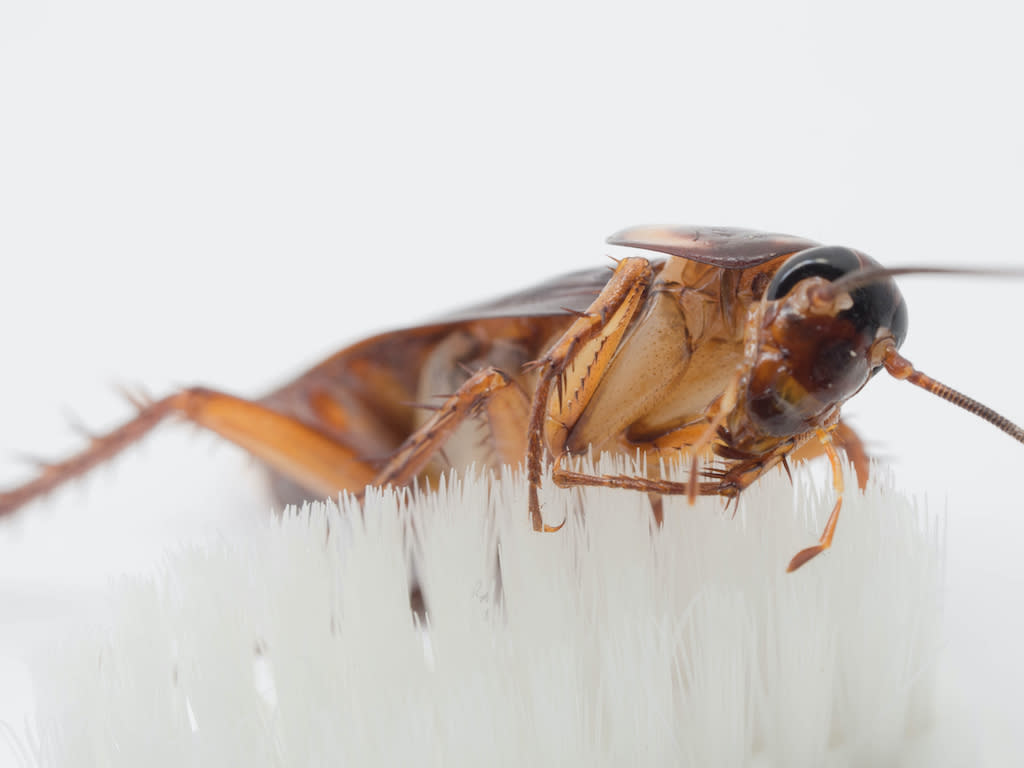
(819, 343)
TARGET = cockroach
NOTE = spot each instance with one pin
(724, 344)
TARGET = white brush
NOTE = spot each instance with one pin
(610, 643)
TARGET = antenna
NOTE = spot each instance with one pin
(903, 369)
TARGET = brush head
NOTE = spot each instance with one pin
(612, 642)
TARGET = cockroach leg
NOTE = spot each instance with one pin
(575, 365)
(723, 406)
(849, 442)
(801, 557)
(565, 478)
(728, 483)
(488, 390)
(296, 450)
(98, 450)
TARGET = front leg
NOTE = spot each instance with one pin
(849, 442)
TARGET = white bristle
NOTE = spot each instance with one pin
(612, 642)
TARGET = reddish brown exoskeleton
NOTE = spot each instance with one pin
(740, 346)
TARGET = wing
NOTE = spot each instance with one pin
(726, 247)
(400, 354)
(573, 292)
(363, 393)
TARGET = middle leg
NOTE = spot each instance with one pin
(488, 392)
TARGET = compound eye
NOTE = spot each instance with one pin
(827, 261)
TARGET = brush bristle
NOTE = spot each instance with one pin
(612, 642)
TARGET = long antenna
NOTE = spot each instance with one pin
(903, 369)
(869, 275)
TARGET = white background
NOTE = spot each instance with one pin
(222, 192)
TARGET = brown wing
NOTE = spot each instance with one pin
(726, 247)
(563, 295)
(390, 362)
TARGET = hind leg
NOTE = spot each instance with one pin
(303, 454)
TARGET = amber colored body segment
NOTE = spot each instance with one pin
(736, 348)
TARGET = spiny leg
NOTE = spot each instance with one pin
(729, 483)
(589, 344)
(723, 406)
(99, 449)
(488, 390)
(567, 478)
(302, 453)
(825, 541)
